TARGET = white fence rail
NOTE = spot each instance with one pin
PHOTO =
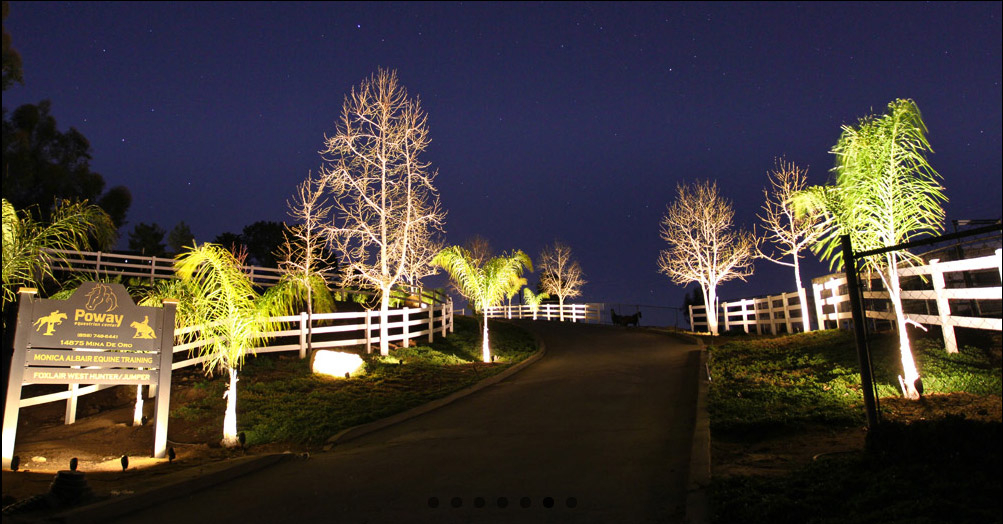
(100, 263)
(832, 306)
(404, 324)
(570, 312)
(153, 268)
(773, 314)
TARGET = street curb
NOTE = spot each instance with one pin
(364, 429)
(697, 507)
(195, 480)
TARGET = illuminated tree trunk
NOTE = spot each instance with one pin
(384, 315)
(560, 301)
(485, 348)
(802, 297)
(710, 306)
(230, 418)
(910, 374)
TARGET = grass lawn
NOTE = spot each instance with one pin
(935, 460)
(280, 401)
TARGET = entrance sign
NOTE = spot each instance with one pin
(97, 336)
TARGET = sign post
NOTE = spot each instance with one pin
(97, 336)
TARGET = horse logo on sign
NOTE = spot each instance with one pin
(143, 329)
(50, 321)
(101, 294)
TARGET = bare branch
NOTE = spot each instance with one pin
(703, 248)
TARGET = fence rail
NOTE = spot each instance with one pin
(404, 324)
(772, 314)
(158, 268)
(572, 312)
(938, 306)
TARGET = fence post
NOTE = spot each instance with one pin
(943, 307)
(863, 354)
(431, 322)
(406, 317)
(452, 320)
(71, 403)
(303, 328)
(369, 331)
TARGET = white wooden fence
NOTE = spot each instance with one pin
(404, 324)
(936, 305)
(153, 268)
(773, 314)
(832, 302)
(571, 312)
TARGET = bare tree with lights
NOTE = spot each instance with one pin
(885, 193)
(387, 213)
(560, 275)
(790, 233)
(703, 246)
(304, 257)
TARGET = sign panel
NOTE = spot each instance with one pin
(103, 359)
(97, 316)
(38, 375)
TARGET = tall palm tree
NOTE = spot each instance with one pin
(27, 259)
(484, 285)
(885, 194)
(216, 295)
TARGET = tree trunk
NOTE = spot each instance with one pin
(137, 413)
(710, 306)
(910, 374)
(309, 321)
(230, 418)
(485, 347)
(560, 300)
(384, 315)
(802, 296)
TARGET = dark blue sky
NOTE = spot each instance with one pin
(566, 120)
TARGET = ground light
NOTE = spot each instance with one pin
(336, 363)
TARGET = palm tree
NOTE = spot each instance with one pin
(533, 301)
(216, 295)
(27, 243)
(885, 194)
(484, 285)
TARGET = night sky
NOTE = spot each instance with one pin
(566, 120)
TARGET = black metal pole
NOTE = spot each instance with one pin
(863, 354)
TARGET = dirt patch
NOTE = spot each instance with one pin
(103, 434)
(780, 454)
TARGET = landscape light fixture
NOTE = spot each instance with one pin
(125, 462)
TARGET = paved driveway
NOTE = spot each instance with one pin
(599, 430)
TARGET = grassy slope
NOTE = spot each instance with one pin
(928, 471)
(279, 400)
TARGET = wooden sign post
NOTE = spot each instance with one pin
(97, 336)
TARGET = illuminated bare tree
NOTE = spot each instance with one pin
(788, 232)
(304, 258)
(560, 276)
(703, 247)
(386, 209)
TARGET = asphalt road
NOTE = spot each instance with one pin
(599, 430)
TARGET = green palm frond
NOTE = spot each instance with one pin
(27, 260)
(885, 192)
(533, 301)
(220, 298)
